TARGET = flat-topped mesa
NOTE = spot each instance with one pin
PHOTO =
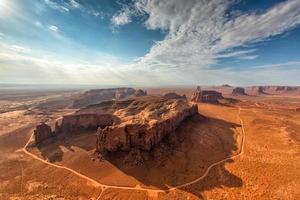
(99, 95)
(74, 123)
(144, 123)
(140, 93)
(238, 91)
(173, 95)
(206, 96)
(42, 133)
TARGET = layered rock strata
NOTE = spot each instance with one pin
(206, 96)
(139, 122)
(147, 126)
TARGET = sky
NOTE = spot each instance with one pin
(150, 42)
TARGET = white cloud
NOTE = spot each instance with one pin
(19, 49)
(53, 28)
(38, 24)
(52, 4)
(121, 18)
(74, 4)
(199, 32)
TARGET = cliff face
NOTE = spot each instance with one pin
(206, 96)
(139, 122)
(42, 133)
(71, 124)
(146, 128)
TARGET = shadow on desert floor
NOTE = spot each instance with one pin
(185, 156)
(53, 151)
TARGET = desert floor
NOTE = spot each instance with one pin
(247, 150)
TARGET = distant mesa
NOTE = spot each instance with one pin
(140, 93)
(291, 90)
(99, 95)
(206, 96)
(123, 125)
(238, 91)
(173, 95)
(226, 85)
(261, 90)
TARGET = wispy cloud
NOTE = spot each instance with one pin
(121, 18)
(74, 4)
(199, 32)
(53, 28)
(71, 5)
(54, 5)
(38, 24)
(279, 65)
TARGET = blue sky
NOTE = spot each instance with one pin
(150, 42)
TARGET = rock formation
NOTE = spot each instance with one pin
(297, 109)
(140, 93)
(74, 123)
(261, 90)
(144, 123)
(291, 90)
(139, 122)
(197, 95)
(97, 96)
(173, 95)
(226, 85)
(238, 91)
(206, 96)
(42, 133)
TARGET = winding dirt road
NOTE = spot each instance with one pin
(150, 191)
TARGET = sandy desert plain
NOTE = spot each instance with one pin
(247, 148)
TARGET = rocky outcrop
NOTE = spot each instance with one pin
(42, 133)
(261, 90)
(151, 120)
(206, 96)
(173, 95)
(134, 123)
(97, 96)
(297, 109)
(71, 124)
(197, 95)
(238, 91)
(291, 90)
(140, 93)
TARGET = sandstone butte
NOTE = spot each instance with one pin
(139, 122)
(238, 91)
(206, 96)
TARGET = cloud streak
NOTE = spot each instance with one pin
(199, 33)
